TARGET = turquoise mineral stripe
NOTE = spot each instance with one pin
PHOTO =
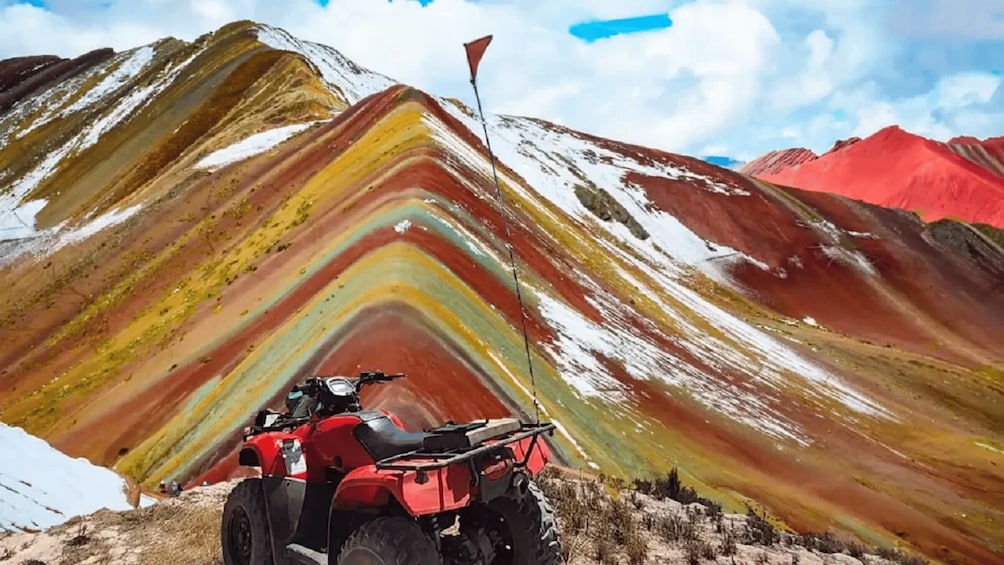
(290, 348)
(199, 394)
(418, 214)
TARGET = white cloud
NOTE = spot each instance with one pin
(742, 76)
(968, 19)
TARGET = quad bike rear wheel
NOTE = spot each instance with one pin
(389, 541)
(245, 535)
(528, 529)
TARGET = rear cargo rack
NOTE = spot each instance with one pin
(440, 459)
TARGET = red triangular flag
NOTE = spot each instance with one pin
(476, 50)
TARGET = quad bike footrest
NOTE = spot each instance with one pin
(300, 555)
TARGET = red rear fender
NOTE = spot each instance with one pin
(540, 454)
(444, 489)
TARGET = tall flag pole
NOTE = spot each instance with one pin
(475, 51)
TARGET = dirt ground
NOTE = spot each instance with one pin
(598, 524)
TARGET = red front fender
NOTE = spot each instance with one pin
(447, 488)
(263, 450)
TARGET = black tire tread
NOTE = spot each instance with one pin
(536, 507)
(533, 519)
(251, 494)
(398, 541)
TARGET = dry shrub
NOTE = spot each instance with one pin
(177, 534)
(672, 488)
(898, 556)
(674, 528)
(855, 550)
(728, 546)
(696, 550)
(693, 554)
(758, 530)
(636, 549)
(589, 515)
(604, 550)
(637, 501)
(574, 546)
(572, 501)
(707, 550)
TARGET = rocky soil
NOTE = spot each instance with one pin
(600, 523)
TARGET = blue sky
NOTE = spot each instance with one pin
(730, 78)
(592, 30)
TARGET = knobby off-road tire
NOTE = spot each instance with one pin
(389, 541)
(533, 528)
(244, 529)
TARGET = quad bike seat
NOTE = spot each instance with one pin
(381, 437)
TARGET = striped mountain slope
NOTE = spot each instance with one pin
(191, 228)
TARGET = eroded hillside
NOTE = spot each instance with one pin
(194, 227)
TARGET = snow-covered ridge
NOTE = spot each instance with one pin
(349, 79)
(41, 487)
(124, 66)
(552, 163)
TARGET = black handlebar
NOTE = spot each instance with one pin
(378, 376)
(363, 378)
(314, 389)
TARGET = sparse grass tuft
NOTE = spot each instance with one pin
(758, 530)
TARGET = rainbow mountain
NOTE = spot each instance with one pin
(190, 228)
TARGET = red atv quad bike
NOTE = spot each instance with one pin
(343, 485)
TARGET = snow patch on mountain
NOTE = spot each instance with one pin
(99, 124)
(250, 146)
(576, 345)
(18, 221)
(106, 220)
(118, 72)
(24, 239)
(552, 162)
(130, 65)
(42, 487)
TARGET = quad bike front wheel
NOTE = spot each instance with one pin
(528, 529)
(389, 541)
(244, 530)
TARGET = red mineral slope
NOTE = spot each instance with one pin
(864, 270)
(777, 161)
(961, 179)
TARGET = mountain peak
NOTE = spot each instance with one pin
(897, 168)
